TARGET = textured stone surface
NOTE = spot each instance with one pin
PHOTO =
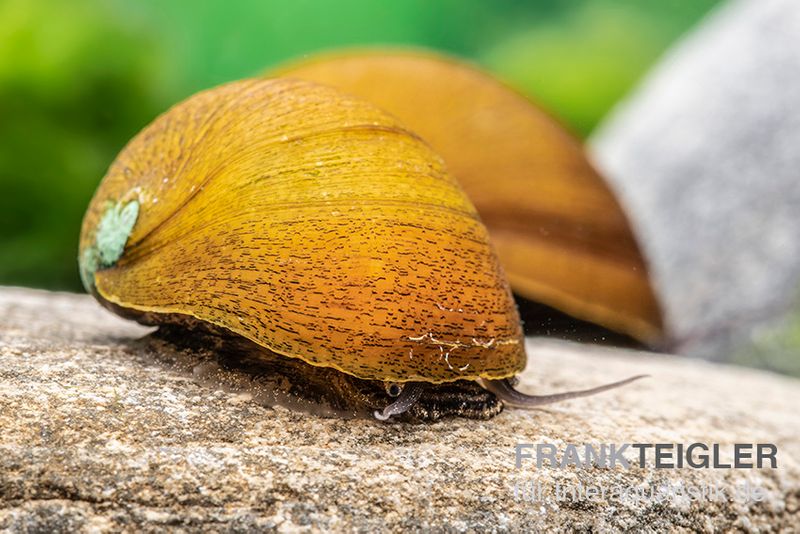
(100, 433)
(705, 156)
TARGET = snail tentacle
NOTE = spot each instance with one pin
(407, 398)
(505, 391)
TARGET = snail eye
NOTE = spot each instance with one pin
(394, 390)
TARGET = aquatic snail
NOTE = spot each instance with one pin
(304, 226)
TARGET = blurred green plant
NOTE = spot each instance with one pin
(79, 78)
(73, 89)
(774, 345)
(581, 61)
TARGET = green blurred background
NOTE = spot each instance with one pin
(78, 78)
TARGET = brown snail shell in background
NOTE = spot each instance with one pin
(561, 236)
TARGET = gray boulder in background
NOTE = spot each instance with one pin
(706, 159)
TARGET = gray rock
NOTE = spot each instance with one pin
(706, 158)
(100, 433)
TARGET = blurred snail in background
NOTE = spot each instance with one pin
(316, 234)
(560, 233)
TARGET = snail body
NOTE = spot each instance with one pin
(315, 228)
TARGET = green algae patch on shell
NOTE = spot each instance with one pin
(112, 233)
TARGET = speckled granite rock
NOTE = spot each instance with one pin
(99, 433)
(705, 157)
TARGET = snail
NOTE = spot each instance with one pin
(310, 230)
(561, 235)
